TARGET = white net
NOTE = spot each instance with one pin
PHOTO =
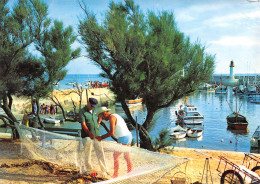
(135, 165)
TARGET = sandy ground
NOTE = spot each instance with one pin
(192, 171)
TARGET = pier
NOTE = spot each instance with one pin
(243, 78)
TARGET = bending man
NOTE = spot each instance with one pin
(118, 128)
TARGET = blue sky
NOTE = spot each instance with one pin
(230, 29)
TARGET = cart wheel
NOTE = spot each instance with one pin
(231, 177)
(256, 169)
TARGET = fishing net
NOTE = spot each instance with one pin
(87, 155)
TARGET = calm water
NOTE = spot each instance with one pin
(215, 109)
(79, 78)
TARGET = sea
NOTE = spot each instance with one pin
(79, 79)
(214, 107)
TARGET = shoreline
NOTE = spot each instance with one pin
(10, 150)
(192, 170)
(104, 95)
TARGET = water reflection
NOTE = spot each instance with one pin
(215, 109)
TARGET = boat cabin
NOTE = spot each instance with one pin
(191, 110)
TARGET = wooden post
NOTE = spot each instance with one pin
(87, 94)
(136, 128)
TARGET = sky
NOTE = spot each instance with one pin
(229, 29)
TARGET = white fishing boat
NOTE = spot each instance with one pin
(255, 139)
(51, 120)
(177, 132)
(194, 132)
(189, 115)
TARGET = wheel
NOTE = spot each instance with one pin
(256, 169)
(231, 177)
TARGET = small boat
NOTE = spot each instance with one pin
(237, 121)
(189, 115)
(70, 83)
(76, 85)
(51, 120)
(194, 132)
(135, 102)
(255, 139)
(177, 132)
(221, 89)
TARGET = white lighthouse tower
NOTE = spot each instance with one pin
(231, 81)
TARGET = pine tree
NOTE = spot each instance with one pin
(146, 56)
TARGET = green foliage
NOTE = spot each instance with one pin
(21, 73)
(163, 140)
(144, 55)
(55, 47)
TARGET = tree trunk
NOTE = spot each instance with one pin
(9, 113)
(6, 108)
(10, 98)
(37, 113)
(145, 140)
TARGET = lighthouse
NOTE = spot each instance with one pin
(231, 81)
(231, 75)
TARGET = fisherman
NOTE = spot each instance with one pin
(118, 129)
(89, 131)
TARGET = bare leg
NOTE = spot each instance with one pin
(116, 163)
(128, 161)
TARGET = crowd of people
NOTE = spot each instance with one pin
(48, 109)
(97, 84)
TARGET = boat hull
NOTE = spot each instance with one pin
(131, 103)
(178, 135)
(237, 122)
(51, 120)
(194, 133)
(237, 126)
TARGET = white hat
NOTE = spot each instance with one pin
(102, 109)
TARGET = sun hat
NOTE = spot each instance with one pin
(93, 102)
(102, 109)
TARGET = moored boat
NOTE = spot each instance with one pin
(255, 139)
(135, 102)
(221, 89)
(237, 121)
(51, 120)
(177, 132)
(194, 132)
(189, 115)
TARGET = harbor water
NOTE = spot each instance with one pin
(215, 108)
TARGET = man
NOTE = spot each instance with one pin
(90, 130)
(118, 129)
(34, 108)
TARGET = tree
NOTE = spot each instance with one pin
(145, 56)
(55, 47)
(18, 29)
(21, 73)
